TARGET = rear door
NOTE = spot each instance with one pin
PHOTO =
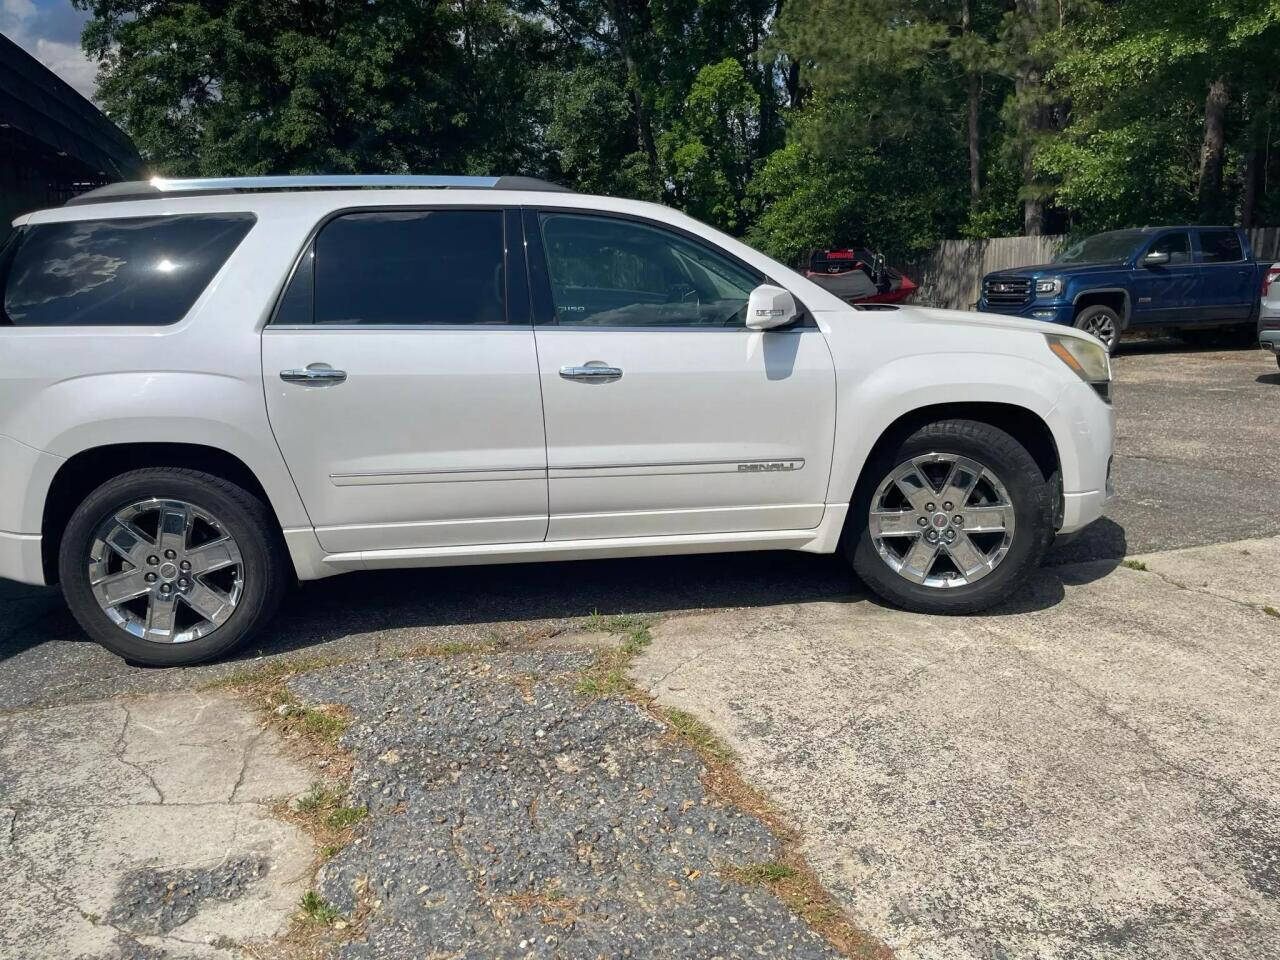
(664, 414)
(1166, 293)
(402, 382)
(1226, 290)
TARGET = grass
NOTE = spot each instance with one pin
(1271, 611)
(316, 910)
(607, 676)
(343, 817)
(1133, 564)
(696, 734)
(761, 874)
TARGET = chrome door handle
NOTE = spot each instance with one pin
(315, 374)
(592, 372)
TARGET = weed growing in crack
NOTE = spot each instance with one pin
(317, 910)
(1134, 565)
(344, 817)
(697, 734)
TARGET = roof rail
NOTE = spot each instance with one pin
(159, 186)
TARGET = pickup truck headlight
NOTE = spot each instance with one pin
(1089, 361)
(1048, 286)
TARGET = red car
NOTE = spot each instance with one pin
(858, 276)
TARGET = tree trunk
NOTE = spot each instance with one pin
(1215, 138)
(1036, 119)
(1255, 162)
(974, 95)
(627, 32)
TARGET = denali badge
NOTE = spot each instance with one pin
(768, 466)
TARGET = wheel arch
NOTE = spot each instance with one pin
(1117, 298)
(80, 474)
(1024, 425)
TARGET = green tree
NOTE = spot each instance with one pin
(1156, 104)
(257, 86)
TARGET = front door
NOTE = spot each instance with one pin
(1165, 293)
(664, 414)
(402, 383)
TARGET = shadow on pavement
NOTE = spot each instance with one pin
(397, 609)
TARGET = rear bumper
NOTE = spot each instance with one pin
(25, 476)
(1269, 340)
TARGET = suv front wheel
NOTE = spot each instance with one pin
(951, 520)
(169, 566)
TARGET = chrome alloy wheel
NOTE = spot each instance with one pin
(941, 520)
(165, 571)
(1104, 328)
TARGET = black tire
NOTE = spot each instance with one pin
(1032, 498)
(1103, 322)
(266, 571)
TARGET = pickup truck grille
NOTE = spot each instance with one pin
(1006, 291)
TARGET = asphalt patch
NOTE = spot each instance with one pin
(510, 816)
(157, 901)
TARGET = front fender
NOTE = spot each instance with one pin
(870, 404)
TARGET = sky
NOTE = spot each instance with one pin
(49, 30)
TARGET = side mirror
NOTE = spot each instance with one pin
(1157, 258)
(770, 307)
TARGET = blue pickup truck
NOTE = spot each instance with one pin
(1186, 278)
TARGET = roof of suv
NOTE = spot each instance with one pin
(206, 186)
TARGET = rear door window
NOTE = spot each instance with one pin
(137, 271)
(1220, 246)
(401, 268)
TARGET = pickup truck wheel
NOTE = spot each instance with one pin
(951, 520)
(170, 567)
(1102, 322)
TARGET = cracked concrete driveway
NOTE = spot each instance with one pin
(143, 828)
(1091, 773)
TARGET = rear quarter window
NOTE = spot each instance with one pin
(139, 271)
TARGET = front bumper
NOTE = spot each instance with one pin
(1090, 427)
(1050, 311)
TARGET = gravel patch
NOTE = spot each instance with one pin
(157, 901)
(510, 816)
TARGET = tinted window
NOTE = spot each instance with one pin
(611, 272)
(1113, 247)
(141, 271)
(1176, 245)
(1220, 246)
(403, 267)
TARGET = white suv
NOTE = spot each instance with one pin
(211, 387)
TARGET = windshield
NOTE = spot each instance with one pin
(1110, 247)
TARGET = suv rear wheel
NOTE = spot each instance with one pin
(169, 567)
(952, 519)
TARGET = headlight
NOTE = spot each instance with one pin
(1090, 361)
(1048, 286)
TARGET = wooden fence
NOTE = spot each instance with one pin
(952, 275)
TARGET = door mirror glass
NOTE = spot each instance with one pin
(1156, 258)
(770, 307)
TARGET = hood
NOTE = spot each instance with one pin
(985, 321)
(1038, 270)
